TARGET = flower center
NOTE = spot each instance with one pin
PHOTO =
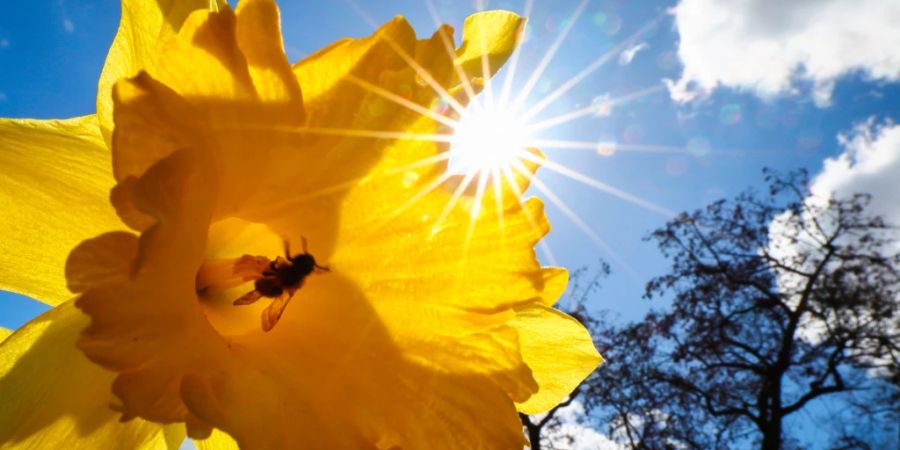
(234, 290)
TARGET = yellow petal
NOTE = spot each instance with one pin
(480, 260)
(218, 440)
(555, 282)
(559, 351)
(327, 76)
(224, 87)
(252, 132)
(488, 39)
(4, 333)
(53, 194)
(145, 26)
(259, 38)
(53, 397)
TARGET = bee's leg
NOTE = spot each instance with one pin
(248, 298)
(303, 241)
(322, 268)
(287, 248)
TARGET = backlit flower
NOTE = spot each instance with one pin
(426, 325)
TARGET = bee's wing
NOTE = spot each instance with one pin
(272, 314)
(248, 298)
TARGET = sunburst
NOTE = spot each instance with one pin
(491, 137)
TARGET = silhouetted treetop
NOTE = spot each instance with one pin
(778, 299)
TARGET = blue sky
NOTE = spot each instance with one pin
(737, 109)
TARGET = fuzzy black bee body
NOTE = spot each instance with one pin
(279, 281)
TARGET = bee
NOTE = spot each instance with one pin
(279, 281)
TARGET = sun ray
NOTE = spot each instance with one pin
(545, 61)
(592, 109)
(387, 219)
(373, 134)
(434, 184)
(591, 68)
(479, 194)
(342, 132)
(576, 219)
(485, 65)
(603, 187)
(473, 216)
(631, 148)
(542, 243)
(451, 51)
(616, 146)
(411, 62)
(409, 104)
(498, 200)
(514, 60)
(454, 199)
(443, 156)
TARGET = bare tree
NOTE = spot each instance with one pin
(777, 301)
(543, 429)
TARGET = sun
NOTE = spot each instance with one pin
(487, 140)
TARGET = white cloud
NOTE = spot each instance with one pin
(766, 46)
(629, 53)
(582, 437)
(869, 164)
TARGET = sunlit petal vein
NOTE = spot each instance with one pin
(519, 195)
(411, 62)
(591, 68)
(380, 223)
(368, 178)
(545, 61)
(437, 182)
(451, 52)
(592, 109)
(426, 76)
(514, 61)
(470, 229)
(576, 219)
(454, 199)
(380, 91)
(633, 199)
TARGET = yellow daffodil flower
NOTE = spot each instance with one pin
(420, 325)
